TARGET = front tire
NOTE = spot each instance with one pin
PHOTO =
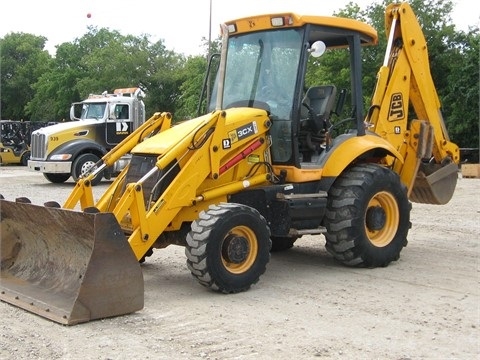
(83, 164)
(368, 217)
(56, 178)
(228, 247)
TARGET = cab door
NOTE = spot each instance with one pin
(119, 124)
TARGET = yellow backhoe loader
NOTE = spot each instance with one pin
(263, 166)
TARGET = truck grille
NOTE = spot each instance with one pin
(38, 146)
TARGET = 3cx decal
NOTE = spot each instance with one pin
(396, 107)
(243, 132)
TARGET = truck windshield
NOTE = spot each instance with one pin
(93, 111)
(262, 67)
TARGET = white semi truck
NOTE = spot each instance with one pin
(98, 124)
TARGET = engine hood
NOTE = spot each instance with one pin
(61, 127)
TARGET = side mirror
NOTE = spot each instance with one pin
(317, 49)
(76, 111)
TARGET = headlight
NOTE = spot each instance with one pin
(61, 157)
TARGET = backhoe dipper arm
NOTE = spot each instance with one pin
(405, 80)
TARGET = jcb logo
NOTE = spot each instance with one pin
(396, 108)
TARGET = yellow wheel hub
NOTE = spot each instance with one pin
(382, 219)
(239, 249)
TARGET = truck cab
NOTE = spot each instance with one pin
(97, 125)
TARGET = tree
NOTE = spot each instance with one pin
(461, 92)
(103, 60)
(23, 60)
(194, 74)
(56, 89)
(162, 79)
(191, 87)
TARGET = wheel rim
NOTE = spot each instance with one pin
(382, 218)
(86, 167)
(239, 249)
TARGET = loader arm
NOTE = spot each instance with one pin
(209, 162)
(82, 193)
(405, 85)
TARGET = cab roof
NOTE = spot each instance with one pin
(330, 29)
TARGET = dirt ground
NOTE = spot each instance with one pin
(424, 306)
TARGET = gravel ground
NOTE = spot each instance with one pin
(424, 306)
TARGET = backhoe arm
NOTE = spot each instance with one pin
(405, 85)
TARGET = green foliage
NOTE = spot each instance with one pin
(461, 106)
(190, 89)
(103, 60)
(23, 60)
(161, 78)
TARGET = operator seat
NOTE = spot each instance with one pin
(319, 100)
(317, 107)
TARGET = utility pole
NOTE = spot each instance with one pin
(210, 31)
(209, 50)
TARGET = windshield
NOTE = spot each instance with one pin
(262, 67)
(93, 111)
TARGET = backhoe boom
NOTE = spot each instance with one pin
(404, 83)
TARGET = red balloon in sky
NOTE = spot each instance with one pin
(89, 15)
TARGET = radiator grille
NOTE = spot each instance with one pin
(38, 146)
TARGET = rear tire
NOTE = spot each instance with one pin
(368, 217)
(56, 178)
(228, 247)
(83, 164)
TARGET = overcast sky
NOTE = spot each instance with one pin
(180, 23)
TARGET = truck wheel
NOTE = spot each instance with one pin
(25, 158)
(82, 164)
(56, 178)
(368, 217)
(228, 247)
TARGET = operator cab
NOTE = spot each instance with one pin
(267, 68)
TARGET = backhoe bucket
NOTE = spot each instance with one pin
(435, 184)
(67, 266)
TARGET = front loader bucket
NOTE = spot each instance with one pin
(67, 266)
(435, 184)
